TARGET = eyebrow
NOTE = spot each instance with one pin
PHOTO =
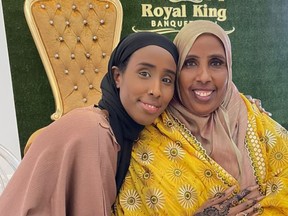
(210, 56)
(173, 73)
(218, 56)
(191, 56)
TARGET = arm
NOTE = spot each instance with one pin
(69, 169)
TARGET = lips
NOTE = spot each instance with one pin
(150, 107)
(203, 95)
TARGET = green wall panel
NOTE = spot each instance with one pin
(259, 42)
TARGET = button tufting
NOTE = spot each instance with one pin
(75, 87)
(85, 22)
(90, 86)
(43, 6)
(51, 22)
(72, 56)
(106, 6)
(56, 56)
(61, 39)
(84, 100)
(81, 71)
(103, 55)
(74, 7)
(58, 6)
(67, 22)
(78, 38)
(66, 71)
(87, 55)
(94, 38)
(96, 70)
(102, 21)
(90, 6)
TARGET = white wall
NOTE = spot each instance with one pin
(8, 125)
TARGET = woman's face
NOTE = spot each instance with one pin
(147, 84)
(204, 76)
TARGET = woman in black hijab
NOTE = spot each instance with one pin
(124, 127)
(71, 166)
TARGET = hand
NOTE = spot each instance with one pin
(258, 104)
(239, 204)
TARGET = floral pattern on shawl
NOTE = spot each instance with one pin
(171, 174)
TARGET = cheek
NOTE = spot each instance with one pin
(222, 85)
(124, 94)
(185, 78)
(168, 94)
(223, 82)
(183, 86)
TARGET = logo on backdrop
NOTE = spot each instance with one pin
(170, 19)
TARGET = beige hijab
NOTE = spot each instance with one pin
(221, 132)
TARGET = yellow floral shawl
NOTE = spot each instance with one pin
(171, 174)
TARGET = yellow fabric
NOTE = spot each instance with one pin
(171, 174)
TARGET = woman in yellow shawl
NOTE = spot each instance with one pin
(210, 139)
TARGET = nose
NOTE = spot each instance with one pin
(204, 75)
(155, 88)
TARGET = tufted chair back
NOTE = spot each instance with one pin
(75, 39)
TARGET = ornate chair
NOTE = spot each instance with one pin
(75, 39)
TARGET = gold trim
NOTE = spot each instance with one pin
(119, 21)
(44, 57)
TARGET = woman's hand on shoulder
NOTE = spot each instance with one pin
(258, 103)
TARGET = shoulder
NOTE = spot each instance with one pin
(161, 125)
(80, 127)
(90, 113)
(264, 124)
(81, 119)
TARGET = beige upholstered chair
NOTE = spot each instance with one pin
(75, 39)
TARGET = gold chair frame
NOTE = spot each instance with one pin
(91, 29)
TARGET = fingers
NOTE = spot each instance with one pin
(223, 196)
(259, 106)
(218, 200)
(252, 211)
(250, 207)
(234, 201)
(266, 112)
(258, 103)
(242, 214)
(249, 97)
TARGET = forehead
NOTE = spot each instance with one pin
(152, 54)
(148, 50)
(209, 43)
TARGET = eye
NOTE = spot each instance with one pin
(144, 74)
(216, 62)
(168, 80)
(190, 62)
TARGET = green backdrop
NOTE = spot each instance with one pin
(259, 42)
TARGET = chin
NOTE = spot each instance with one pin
(146, 122)
(201, 112)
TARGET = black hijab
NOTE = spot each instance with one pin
(126, 130)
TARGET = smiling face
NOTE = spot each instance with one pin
(204, 76)
(147, 84)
